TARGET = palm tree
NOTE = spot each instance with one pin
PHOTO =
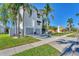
(29, 8)
(69, 23)
(15, 11)
(47, 10)
(4, 16)
(25, 6)
(77, 14)
(14, 15)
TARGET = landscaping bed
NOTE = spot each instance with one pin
(74, 35)
(7, 42)
(60, 34)
(44, 50)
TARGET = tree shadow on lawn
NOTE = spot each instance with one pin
(62, 41)
(68, 50)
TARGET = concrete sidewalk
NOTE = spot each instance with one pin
(14, 50)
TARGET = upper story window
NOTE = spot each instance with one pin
(38, 15)
(38, 22)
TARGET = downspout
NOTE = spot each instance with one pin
(18, 25)
(23, 19)
(47, 26)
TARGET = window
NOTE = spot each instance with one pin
(38, 15)
(38, 22)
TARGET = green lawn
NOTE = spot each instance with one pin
(6, 41)
(73, 35)
(44, 50)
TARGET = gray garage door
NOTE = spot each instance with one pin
(37, 31)
(29, 30)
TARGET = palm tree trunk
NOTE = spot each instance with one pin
(23, 19)
(47, 24)
(18, 27)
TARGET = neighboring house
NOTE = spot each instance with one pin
(60, 29)
(32, 24)
(2, 28)
(53, 31)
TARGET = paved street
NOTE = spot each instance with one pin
(63, 44)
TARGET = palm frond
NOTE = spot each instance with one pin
(77, 14)
(52, 16)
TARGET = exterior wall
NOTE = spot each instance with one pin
(2, 29)
(27, 21)
(12, 32)
(27, 24)
(30, 24)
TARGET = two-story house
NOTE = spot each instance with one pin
(32, 24)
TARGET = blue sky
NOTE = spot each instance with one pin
(62, 11)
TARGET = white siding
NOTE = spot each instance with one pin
(2, 29)
(31, 22)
